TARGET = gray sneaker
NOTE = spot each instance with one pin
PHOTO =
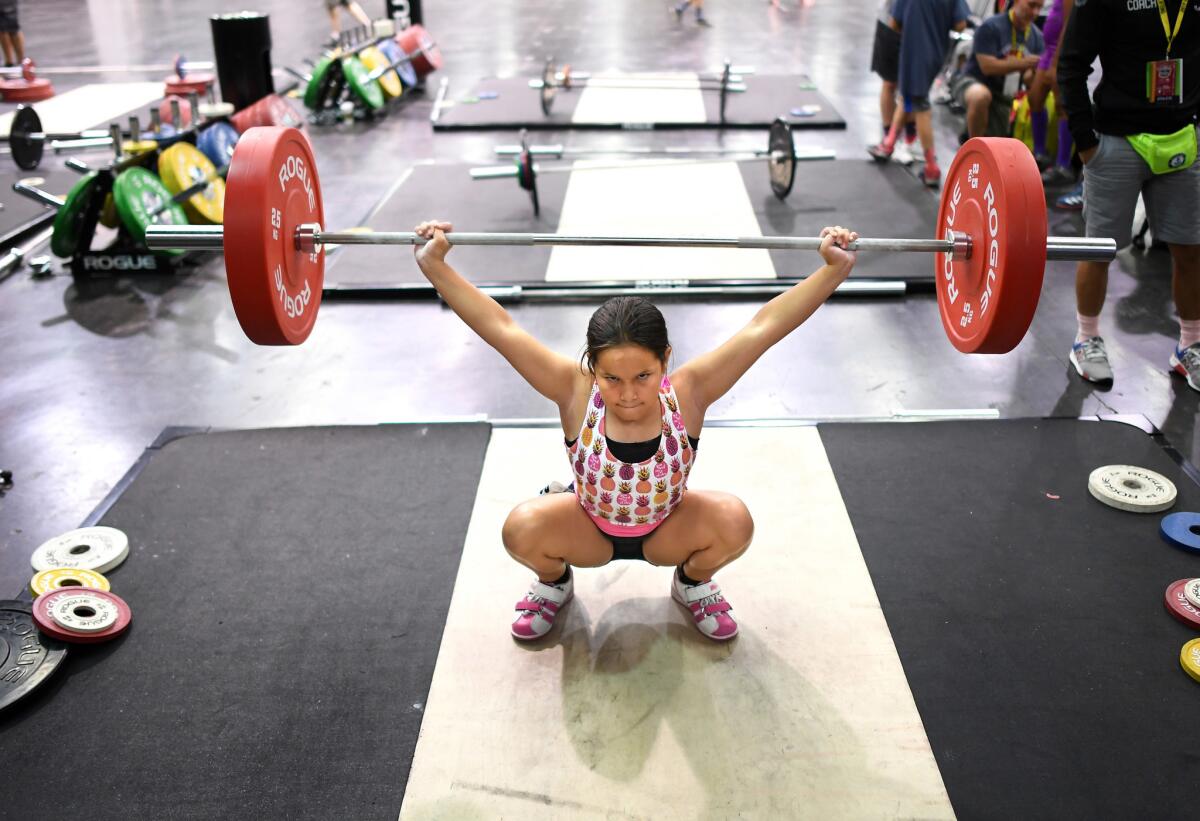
(1186, 363)
(1091, 360)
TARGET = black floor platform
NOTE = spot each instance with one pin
(21, 214)
(288, 590)
(1028, 616)
(517, 106)
(875, 200)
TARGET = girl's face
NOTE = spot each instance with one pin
(629, 377)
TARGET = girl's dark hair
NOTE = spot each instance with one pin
(626, 320)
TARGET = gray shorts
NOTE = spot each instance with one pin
(1112, 181)
(999, 112)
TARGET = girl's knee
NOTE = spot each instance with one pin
(735, 520)
(519, 528)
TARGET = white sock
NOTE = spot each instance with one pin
(1189, 333)
(1089, 326)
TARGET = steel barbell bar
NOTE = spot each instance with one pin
(311, 237)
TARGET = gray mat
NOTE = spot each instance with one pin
(517, 106)
(876, 200)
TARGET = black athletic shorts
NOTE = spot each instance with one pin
(885, 53)
(625, 547)
(8, 17)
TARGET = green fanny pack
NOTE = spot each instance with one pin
(1165, 153)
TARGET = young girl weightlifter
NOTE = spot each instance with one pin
(632, 432)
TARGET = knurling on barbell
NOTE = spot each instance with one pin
(990, 245)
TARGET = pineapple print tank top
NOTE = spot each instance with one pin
(630, 499)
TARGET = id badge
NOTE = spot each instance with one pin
(1012, 84)
(1164, 81)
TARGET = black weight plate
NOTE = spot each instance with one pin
(724, 90)
(27, 658)
(548, 89)
(781, 158)
(527, 177)
(26, 152)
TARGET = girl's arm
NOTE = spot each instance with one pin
(707, 378)
(551, 374)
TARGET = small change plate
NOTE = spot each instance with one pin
(1191, 592)
(58, 578)
(1179, 607)
(91, 548)
(95, 615)
(84, 611)
(1127, 487)
(1189, 658)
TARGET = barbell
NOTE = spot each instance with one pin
(566, 76)
(28, 140)
(547, 87)
(780, 154)
(990, 250)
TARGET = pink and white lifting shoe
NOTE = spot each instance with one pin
(712, 615)
(537, 611)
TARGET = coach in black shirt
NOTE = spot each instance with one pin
(1138, 136)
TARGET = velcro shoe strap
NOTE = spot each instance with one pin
(720, 607)
(548, 592)
(696, 592)
(548, 609)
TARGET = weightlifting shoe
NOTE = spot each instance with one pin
(881, 152)
(1091, 360)
(537, 611)
(931, 175)
(712, 615)
(1186, 363)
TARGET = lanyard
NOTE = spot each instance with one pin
(1012, 26)
(1162, 13)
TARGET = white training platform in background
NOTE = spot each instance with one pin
(658, 198)
(626, 711)
(640, 105)
(92, 106)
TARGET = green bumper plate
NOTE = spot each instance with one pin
(69, 221)
(318, 83)
(137, 193)
(360, 82)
